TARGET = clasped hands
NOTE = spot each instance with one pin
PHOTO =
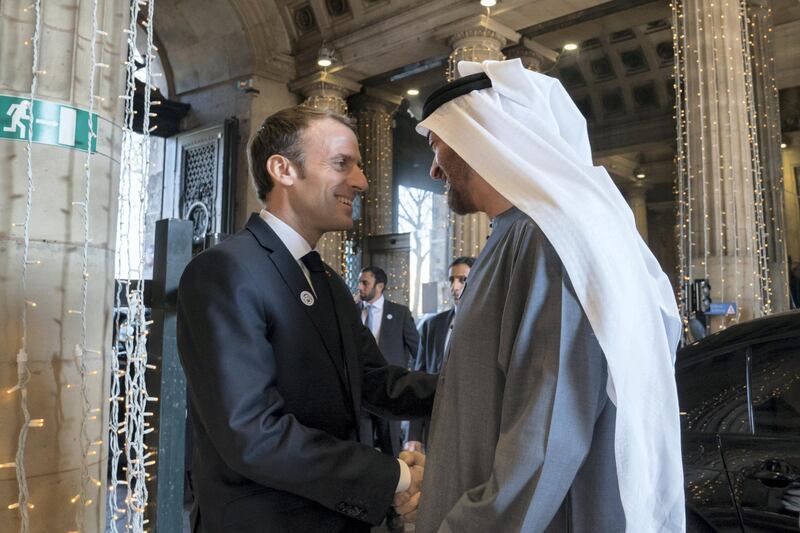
(406, 503)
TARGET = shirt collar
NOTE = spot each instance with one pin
(296, 244)
(379, 303)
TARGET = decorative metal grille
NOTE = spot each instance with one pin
(199, 186)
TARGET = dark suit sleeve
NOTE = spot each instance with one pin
(416, 427)
(231, 372)
(389, 391)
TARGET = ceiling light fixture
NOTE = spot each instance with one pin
(640, 174)
(412, 92)
(784, 145)
(570, 47)
(325, 56)
(488, 3)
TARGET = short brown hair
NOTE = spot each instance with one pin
(281, 133)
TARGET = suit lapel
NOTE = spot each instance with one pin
(296, 281)
(441, 338)
(386, 325)
(343, 303)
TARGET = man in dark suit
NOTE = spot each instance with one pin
(277, 361)
(435, 332)
(393, 328)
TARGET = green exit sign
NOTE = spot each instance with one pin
(53, 123)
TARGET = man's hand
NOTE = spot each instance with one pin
(413, 458)
(413, 446)
(406, 503)
(357, 297)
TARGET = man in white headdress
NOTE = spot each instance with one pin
(571, 378)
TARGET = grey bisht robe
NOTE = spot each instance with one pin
(522, 435)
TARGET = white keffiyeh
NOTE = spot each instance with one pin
(527, 139)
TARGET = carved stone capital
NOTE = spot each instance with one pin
(324, 84)
(375, 101)
(530, 60)
(477, 37)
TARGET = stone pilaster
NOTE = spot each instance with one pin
(637, 198)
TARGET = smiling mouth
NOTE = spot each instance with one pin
(346, 201)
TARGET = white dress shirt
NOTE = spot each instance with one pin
(299, 247)
(376, 316)
(293, 241)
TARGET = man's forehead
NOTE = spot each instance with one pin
(332, 135)
(459, 270)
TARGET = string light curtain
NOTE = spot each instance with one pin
(722, 222)
(128, 438)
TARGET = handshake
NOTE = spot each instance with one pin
(405, 503)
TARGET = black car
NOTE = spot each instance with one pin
(739, 393)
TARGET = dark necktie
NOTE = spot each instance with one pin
(326, 312)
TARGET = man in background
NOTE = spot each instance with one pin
(393, 327)
(433, 341)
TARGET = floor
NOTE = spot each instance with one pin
(120, 523)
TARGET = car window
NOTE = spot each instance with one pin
(713, 395)
(775, 387)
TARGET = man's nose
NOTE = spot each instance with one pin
(436, 170)
(358, 180)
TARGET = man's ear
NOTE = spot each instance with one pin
(282, 170)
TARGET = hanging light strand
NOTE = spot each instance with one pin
(764, 293)
(23, 372)
(80, 350)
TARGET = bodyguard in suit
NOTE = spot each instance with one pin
(277, 360)
(393, 328)
(435, 332)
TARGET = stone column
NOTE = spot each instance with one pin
(769, 141)
(723, 220)
(328, 92)
(373, 116)
(637, 199)
(478, 43)
(55, 451)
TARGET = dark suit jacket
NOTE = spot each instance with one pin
(433, 334)
(274, 412)
(399, 338)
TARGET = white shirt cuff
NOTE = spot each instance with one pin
(405, 477)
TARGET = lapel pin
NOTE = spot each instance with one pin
(389, 317)
(307, 298)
